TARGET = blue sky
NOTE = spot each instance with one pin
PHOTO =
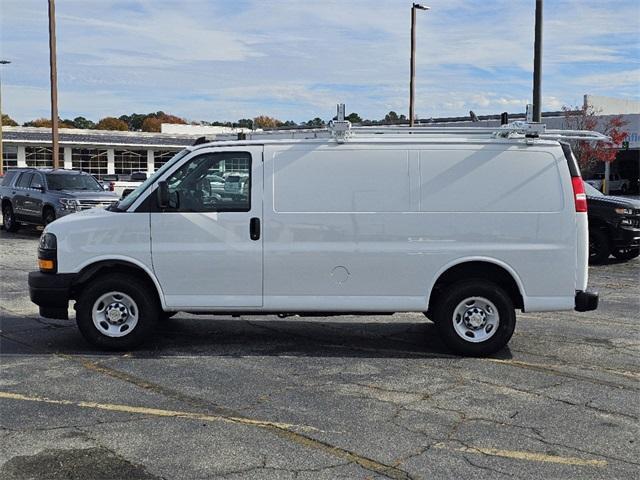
(295, 59)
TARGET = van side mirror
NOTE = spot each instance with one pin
(162, 193)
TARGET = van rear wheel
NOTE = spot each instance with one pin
(116, 312)
(475, 317)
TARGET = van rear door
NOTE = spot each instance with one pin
(207, 246)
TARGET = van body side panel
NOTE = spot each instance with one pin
(511, 203)
(341, 232)
(338, 230)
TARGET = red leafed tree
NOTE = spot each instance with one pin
(589, 154)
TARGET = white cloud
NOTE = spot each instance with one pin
(208, 60)
(613, 79)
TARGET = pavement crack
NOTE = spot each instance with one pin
(555, 399)
(555, 370)
(284, 431)
(484, 467)
(588, 452)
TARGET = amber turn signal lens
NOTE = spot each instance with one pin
(46, 265)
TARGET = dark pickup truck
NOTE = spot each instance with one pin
(614, 226)
(39, 196)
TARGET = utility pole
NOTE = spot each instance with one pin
(54, 83)
(412, 81)
(537, 65)
(2, 62)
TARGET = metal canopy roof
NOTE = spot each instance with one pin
(26, 136)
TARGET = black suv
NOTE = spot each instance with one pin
(614, 226)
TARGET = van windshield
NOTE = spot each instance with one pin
(126, 202)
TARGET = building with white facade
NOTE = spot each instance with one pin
(98, 152)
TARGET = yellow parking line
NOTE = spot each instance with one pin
(530, 456)
(157, 412)
(284, 430)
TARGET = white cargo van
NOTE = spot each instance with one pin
(466, 226)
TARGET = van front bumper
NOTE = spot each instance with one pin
(586, 301)
(51, 292)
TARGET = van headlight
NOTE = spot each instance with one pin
(70, 204)
(48, 253)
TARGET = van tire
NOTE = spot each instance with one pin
(132, 295)
(9, 219)
(489, 296)
(599, 248)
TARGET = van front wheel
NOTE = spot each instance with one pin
(475, 317)
(116, 312)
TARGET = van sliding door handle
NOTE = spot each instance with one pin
(254, 228)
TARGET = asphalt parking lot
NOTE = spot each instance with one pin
(337, 397)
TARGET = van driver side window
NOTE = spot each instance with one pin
(212, 182)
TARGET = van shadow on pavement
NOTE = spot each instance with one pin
(193, 336)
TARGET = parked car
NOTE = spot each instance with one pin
(614, 226)
(123, 185)
(616, 183)
(465, 229)
(38, 197)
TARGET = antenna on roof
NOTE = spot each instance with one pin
(200, 140)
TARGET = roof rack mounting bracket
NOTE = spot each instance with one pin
(340, 128)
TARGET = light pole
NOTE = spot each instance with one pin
(537, 65)
(54, 83)
(412, 81)
(2, 62)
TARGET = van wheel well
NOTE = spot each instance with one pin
(477, 270)
(109, 267)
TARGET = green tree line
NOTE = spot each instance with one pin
(151, 122)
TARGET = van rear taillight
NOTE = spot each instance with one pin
(579, 195)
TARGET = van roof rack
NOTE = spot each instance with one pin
(341, 130)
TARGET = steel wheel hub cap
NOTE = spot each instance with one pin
(476, 319)
(116, 313)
